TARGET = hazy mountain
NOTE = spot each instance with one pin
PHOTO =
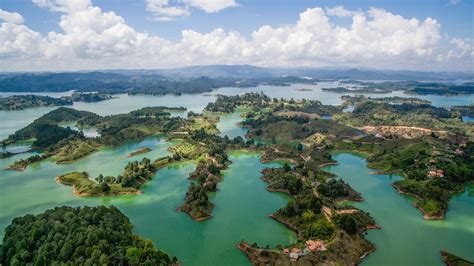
(247, 71)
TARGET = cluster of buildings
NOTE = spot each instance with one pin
(311, 246)
(433, 172)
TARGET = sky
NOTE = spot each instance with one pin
(64, 35)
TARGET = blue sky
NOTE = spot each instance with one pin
(456, 19)
(449, 48)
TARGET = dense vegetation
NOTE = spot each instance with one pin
(134, 175)
(66, 145)
(416, 159)
(72, 236)
(19, 102)
(89, 97)
(49, 120)
(446, 123)
(138, 83)
(413, 87)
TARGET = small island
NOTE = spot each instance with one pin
(453, 260)
(110, 240)
(139, 151)
(20, 102)
(135, 174)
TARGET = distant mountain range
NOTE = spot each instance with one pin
(247, 71)
(197, 79)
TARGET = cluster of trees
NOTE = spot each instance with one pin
(89, 97)
(19, 102)
(135, 174)
(207, 173)
(156, 111)
(415, 87)
(23, 163)
(357, 99)
(49, 122)
(73, 236)
(227, 104)
(414, 158)
(295, 128)
(334, 188)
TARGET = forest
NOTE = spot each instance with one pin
(72, 236)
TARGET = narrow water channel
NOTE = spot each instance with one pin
(405, 238)
(242, 203)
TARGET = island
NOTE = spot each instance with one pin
(20, 102)
(134, 175)
(429, 147)
(408, 87)
(81, 235)
(453, 260)
(139, 151)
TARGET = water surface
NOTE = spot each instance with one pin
(242, 203)
(406, 238)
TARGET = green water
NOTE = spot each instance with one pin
(227, 124)
(405, 238)
(10, 121)
(242, 203)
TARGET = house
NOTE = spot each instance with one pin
(435, 173)
(294, 256)
(317, 245)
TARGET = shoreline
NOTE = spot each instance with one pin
(425, 215)
(85, 194)
(196, 219)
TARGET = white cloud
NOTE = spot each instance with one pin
(211, 6)
(11, 17)
(64, 6)
(340, 11)
(94, 39)
(162, 10)
(454, 2)
(168, 10)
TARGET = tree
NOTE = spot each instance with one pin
(104, 187)
(99, 178)
(347, 223)
(77, 236)
(321, 229)
(133, 255)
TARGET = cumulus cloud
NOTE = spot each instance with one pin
(340, 11)
(11, 17)
(211, 6)
(162, 10)
(94, 39)
(168, 10)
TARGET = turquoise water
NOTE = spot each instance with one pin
(242, 203)
(405, 238)
(14, 120)
(468, 119)
(227, 125)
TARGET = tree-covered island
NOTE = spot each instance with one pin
(20, 102)
(72, 236)
(430, 147)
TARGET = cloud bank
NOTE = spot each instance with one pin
(94, 39)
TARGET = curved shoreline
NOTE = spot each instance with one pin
(426, 216)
